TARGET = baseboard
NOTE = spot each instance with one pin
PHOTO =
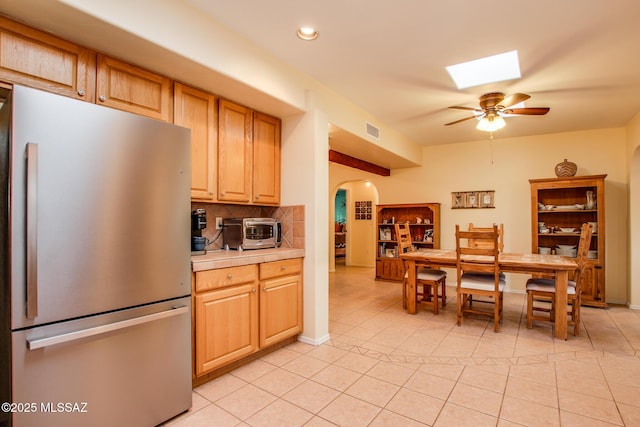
(312, 341)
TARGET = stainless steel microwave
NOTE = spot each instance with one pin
(251, 233)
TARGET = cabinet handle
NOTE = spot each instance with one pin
(230, 276)
(283, 267)
(222, 193)
(81, 92)
(253, 290)
(264, 289)
(257, 196)
(102, 98)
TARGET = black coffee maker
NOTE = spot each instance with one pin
(198, 223)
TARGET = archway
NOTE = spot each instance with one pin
(359, 224)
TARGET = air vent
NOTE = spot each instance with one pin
(373, 131)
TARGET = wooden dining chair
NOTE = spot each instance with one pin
(427, 278)
(487, 244)
(484, 243)
(478, 272)
(543, 289)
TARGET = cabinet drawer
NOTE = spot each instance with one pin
(220, 278)
(285, 267)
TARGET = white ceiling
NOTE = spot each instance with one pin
(578, 57)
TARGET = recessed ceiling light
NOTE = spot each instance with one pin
(496, 68)
(307, 33)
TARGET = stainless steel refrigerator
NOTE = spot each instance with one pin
(95, 308)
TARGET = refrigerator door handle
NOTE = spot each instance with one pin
(84, 333)
(32, 230)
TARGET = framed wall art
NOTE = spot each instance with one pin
(472, 199)
(458, 200)
(363, 210)
(486, 199)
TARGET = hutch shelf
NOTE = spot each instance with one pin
(424, 222)
(559, 207)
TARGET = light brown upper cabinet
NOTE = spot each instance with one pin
(235, 141)
(125, 87)
(266, 159)
(235, 152)
(36, 59)
(197, 111)
(248, 156)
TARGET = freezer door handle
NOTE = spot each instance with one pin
(76, 335)
(32, 230)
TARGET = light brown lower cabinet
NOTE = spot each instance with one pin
(226, 326)
(240, 310)
(280, 300)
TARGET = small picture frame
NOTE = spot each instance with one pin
(390, 253)
(472, 200)
(458, 200)
(385, 234)
(486, 199)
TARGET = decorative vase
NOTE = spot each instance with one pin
(566, 168)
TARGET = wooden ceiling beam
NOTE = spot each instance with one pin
(352, 162)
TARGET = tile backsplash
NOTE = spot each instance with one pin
(291, 217)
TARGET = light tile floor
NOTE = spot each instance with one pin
(384, 367)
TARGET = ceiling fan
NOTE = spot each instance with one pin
(493, 106)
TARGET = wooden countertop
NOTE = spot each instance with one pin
(232, 258)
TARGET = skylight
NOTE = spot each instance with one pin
(496, 68)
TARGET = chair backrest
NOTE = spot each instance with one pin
(403, 237)
(484, 243)
(478, 251)
(583, 250)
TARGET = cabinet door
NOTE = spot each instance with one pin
(234, 153)
(592, 285)
(392, 269)
(197, 111)
(266, 159)
(280, 309)
(226, 326)
(128, 88)
(31, 58)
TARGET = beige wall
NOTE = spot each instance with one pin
(506, 165)
(633, 156)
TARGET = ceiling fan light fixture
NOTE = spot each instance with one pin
(307, 33)
(491, 123)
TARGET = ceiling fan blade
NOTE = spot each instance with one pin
(532, 111)
(457, 107)
(513, 99)
(461, 120)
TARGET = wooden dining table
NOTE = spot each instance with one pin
(548, 265)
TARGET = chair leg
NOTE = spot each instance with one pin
(444, 292)
(496, 317)
(459, 299)
(575, 315)
(434, 299)
(529, 310)
(404, 294)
